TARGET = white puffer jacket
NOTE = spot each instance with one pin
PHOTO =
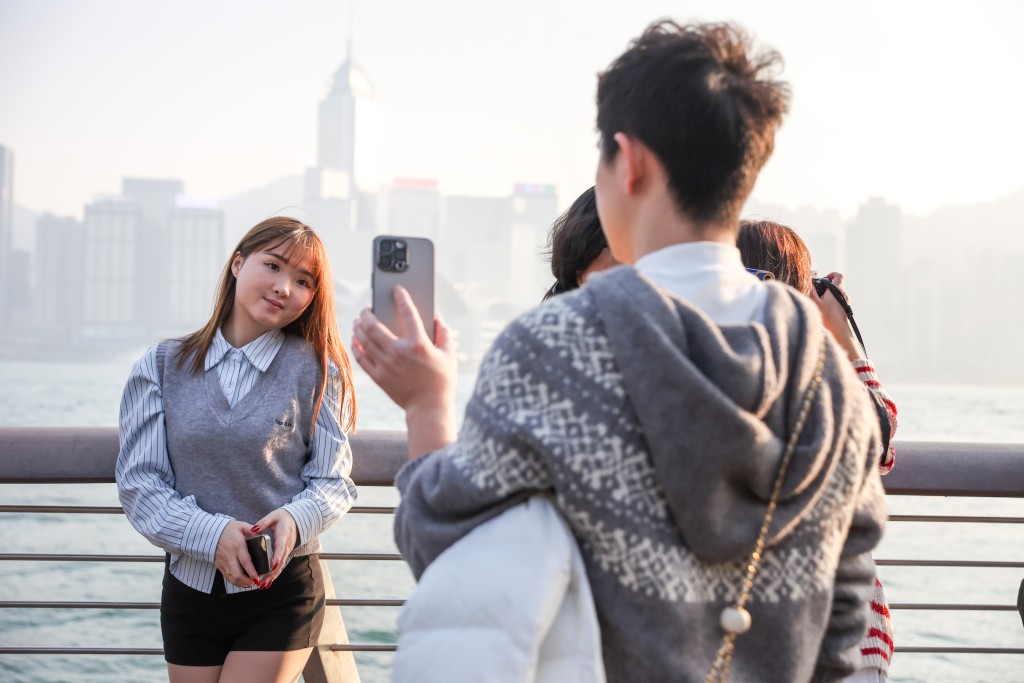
(508, 603)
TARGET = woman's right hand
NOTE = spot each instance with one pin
(232, 557)
(417, 373)
(834, 316)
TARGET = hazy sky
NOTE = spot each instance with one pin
(918, 102)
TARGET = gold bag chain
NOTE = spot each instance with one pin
(735, 620)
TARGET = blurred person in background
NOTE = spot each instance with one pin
(776, 248)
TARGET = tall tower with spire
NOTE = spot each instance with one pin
(341, 191)
(346, 115)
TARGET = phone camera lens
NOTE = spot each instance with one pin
(386, 261)
(386, 246)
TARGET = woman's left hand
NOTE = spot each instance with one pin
(282, 527)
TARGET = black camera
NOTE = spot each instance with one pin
(823, 284)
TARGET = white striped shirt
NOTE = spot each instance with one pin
(238, 369)
(145, 479)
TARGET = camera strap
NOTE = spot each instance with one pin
(878, 403)
(844, 302)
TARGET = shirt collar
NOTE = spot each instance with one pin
(709, 275)
(261, 351)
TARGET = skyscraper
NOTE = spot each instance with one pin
(498, 242)
(195, 256)
(111, 269)
(151, 261)
(6, 227)
(59, 278)
(155, 201)
(874, 260)
(341, 191)
(348, 128)
(414, 208)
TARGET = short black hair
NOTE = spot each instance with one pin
(703, 103)
(574, 242)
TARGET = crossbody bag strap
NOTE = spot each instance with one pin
(735, 620)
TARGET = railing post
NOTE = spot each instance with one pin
(324, 665)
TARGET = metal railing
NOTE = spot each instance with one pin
(86, 455)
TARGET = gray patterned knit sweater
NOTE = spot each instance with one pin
(660, 435)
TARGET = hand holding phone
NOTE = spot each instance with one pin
(409, 262)
(261, 549)
(420, 380)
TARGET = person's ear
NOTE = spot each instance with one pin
(236, 263)
(634, 156)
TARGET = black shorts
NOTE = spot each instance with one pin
(200, 629)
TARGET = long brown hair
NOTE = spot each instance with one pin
(318, 324)
(774, 247)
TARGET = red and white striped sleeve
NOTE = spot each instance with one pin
(866, 372)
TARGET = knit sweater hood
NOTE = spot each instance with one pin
(717, 405)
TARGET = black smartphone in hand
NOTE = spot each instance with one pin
(261, 548)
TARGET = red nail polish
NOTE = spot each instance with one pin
(274, 568)
(254, 529)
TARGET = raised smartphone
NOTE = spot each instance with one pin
(409, 262)
(261, 548)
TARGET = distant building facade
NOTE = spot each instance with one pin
(6, 228)
(151, 261)
(195, 257)
(874, 258)
(414, 208)
(112, 288)
(499, 242)
(59, 278)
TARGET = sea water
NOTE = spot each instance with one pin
(39, 393)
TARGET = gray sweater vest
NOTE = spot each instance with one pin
(242, 461)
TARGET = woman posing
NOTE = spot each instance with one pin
(235, 430)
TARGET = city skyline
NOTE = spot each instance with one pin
(897, 259)
(480, 98)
